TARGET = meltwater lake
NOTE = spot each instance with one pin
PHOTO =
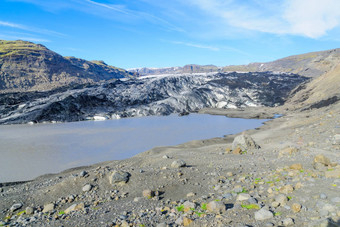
(28, 151)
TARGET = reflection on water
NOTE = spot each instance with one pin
(28, 151)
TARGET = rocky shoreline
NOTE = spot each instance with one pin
(288, 174)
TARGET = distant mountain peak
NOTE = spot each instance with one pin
(312, 64)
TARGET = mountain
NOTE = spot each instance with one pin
(176, 70)
(310, 65)
(27, 66)
(161, 95)
(320, 92)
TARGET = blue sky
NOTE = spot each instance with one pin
(161, 33)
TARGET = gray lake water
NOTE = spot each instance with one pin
(27, 151)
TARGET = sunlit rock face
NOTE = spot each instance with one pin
(157, 95)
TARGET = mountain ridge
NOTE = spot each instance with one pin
(311, 64)
(25, 66)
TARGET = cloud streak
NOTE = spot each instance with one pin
(196, 45)
(30, 29)
(26, 38)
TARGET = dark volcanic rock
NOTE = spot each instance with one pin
(148, 96)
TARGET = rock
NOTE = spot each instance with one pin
(165, 157)
(296, 207)
(281, 199)
(252, 200)
(188, 206)
(179, 221)
(227, 196)
(237, 150)
(29, 210)
(137, 199)
(216, 207)
(125, 224)
(336, 139)
(244, 142)
(297, 166)
(228, 150)
(119, 177)
(243, 197)
(178, 164)
(187, 221)
(191, 194)
(322, 159)
(323, 196)
(263, 214)
(1, 189)
(162, 225)
(15, 207)
(319, 166)
(287, 189)
(147, 193)
(287, 222)
(48, 207)
(333, 173)
(87, 188)
(288, 151)
(275, 204)
(298, 185)
(75, 207)
(83, 174)
(230, 174)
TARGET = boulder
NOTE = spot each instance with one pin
(288, 151)
(245, 142)
(48, 207)
(15, 207)
(336, 139)
(287, 189)
(296, 166)
(243, 197)
(322, 159)
(216, 207)
(87, 188)
(147, 193)
(119, 177)
(178, 164)
(75, 207)
(263, 214)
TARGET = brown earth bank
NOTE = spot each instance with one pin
(288, 174)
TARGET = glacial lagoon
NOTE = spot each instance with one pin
(28, 151)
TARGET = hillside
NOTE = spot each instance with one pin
(310, 64)
(28, 66)
(320, 92)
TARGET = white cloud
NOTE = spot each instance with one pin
(310, 18)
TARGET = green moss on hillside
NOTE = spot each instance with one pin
(9, 48)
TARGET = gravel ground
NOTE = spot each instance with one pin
(286, 173)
